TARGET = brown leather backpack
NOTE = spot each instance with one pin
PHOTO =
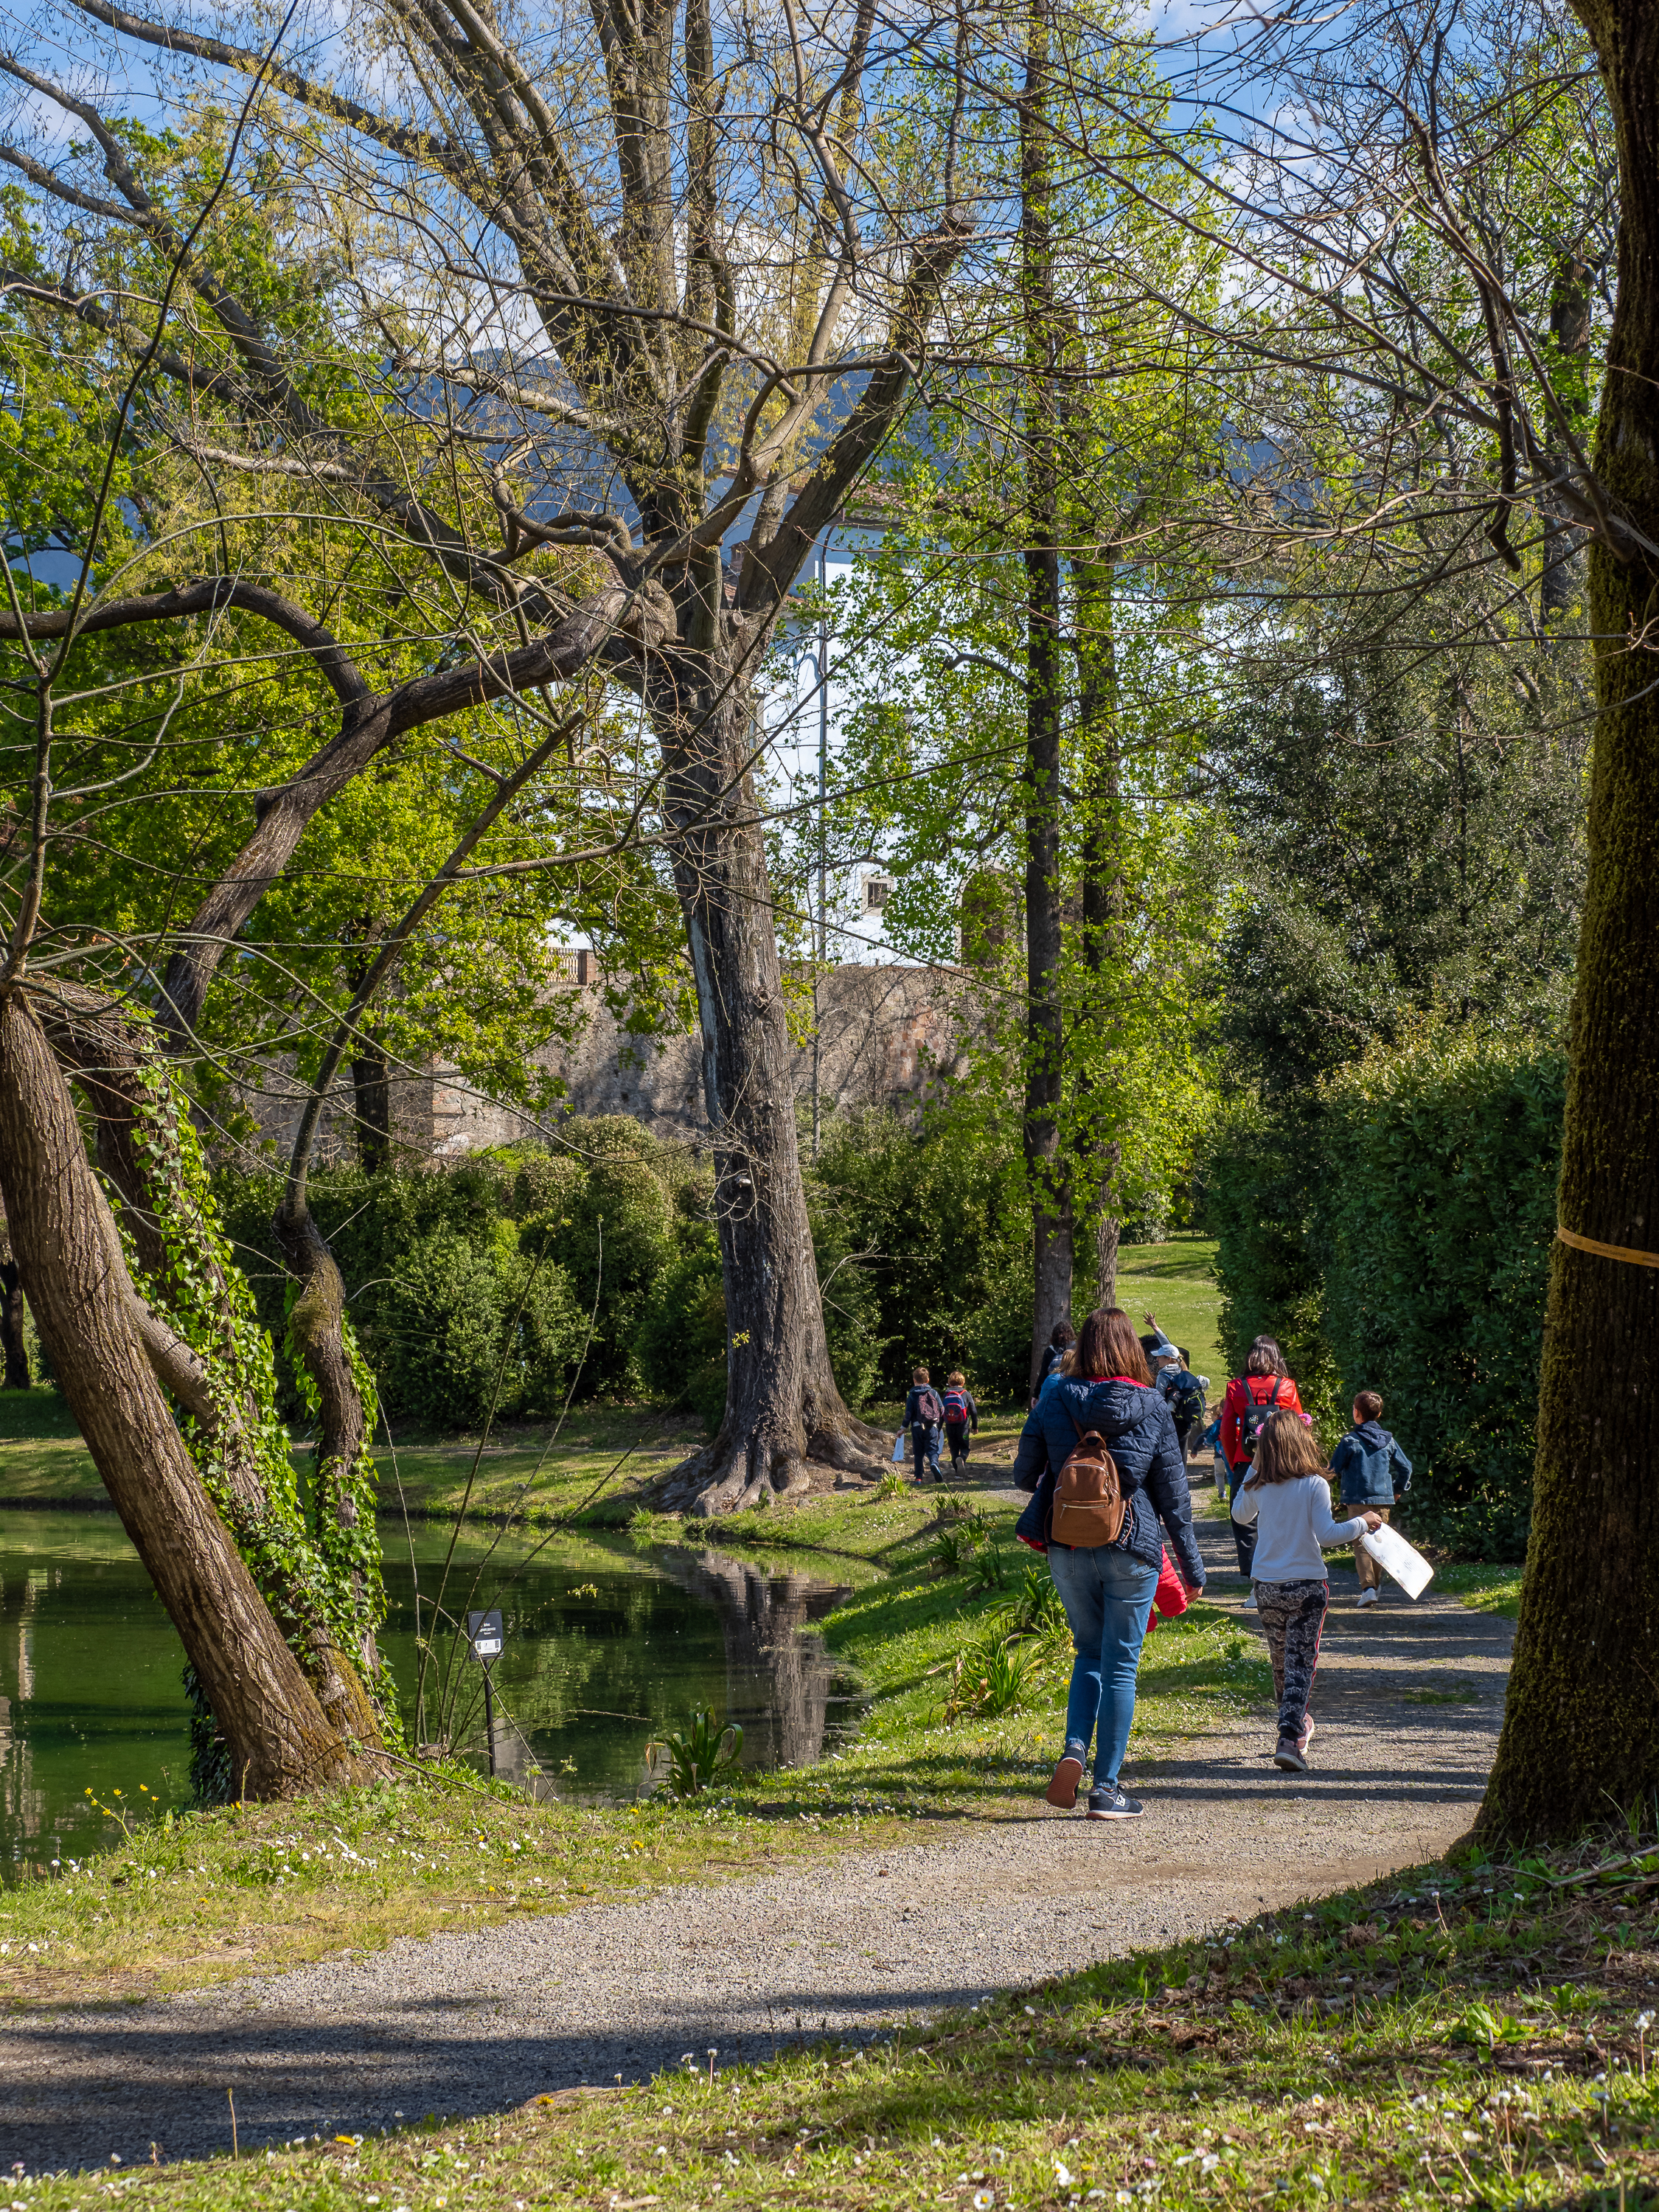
(1090, 1507)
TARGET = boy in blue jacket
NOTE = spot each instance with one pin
(1366, 1460)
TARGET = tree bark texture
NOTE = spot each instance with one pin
(1045, 1166)
(1103, 929)
(1581, 1726)
(93, 1035)
(786, 1425)
(279, 1741)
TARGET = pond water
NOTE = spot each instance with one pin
(606, 1647)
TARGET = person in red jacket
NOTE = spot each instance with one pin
(1266, 1381)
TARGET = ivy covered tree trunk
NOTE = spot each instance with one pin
(1581, 1726)
(785, 1426)
(208, 1352)
(276, 1737)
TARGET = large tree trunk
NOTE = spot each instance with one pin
(1102, 933)
(1045, 1163)
(95, 1038)
(1581, 1725)
(278, 1740)
(784, 1426)
(371, 1087)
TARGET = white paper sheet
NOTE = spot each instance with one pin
(1399, 1558)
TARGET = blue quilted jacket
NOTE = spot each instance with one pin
(1140, 1435)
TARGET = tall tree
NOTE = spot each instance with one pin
(540, 177)
(1046, 1166)
(1580, 1722)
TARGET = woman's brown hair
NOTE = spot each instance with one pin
(1284, 1450)
(1265, 1357)
(1107, 1345)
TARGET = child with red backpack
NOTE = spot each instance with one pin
(1264, 1389)
(961, 1417)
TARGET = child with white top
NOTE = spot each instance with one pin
(1288, 1498)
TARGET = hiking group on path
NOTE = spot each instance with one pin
(1104, 1456)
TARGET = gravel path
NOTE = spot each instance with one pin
(1409, 1699)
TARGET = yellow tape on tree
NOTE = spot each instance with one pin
(1606, 1251)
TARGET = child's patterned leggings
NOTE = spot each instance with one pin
(1293, 1614)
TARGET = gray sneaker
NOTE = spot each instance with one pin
(1289, 1756)
(1108, 1801)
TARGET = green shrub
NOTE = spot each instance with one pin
(460, 1311)
(1435, 1218)
(681, 1345)
(435, 1263)
(1261, 1181)
(936, 1234)
(1396, 1236)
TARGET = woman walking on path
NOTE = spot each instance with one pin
(1287, 1498)
(1266, 1382)
(1103, 1384)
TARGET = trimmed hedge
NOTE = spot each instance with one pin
(1396, 1235)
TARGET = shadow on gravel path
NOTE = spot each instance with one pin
(1408, 1701)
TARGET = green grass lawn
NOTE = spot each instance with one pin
(1487, 1590)
(1176, 1281)
(611, 1450)
(1466, 2036)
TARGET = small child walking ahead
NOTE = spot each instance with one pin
(1288, 1497)
(1369, 1463)
(961, 1416)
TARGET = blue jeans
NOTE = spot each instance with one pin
(1107, 1596)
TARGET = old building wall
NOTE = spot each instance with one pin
(886, 1035)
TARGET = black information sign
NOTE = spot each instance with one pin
(483, 1633)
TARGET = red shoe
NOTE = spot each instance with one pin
(1063, 1782)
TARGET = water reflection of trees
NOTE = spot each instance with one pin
(777, 1677)
(588, 1676)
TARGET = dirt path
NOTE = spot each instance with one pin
(1409, 1700)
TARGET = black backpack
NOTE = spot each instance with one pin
(1188, 1404)
(928, 1408)
(1253, 1419)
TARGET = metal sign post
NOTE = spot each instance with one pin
(485, 1634)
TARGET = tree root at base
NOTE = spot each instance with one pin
(707, 1486)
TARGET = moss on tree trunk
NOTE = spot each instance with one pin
(1581, 1731)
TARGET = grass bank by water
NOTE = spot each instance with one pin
(202, 1897)
(1455, 2038)
(609, 1450)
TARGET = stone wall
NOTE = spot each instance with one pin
(886, 1035)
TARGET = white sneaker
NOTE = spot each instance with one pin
(1368, 1596)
